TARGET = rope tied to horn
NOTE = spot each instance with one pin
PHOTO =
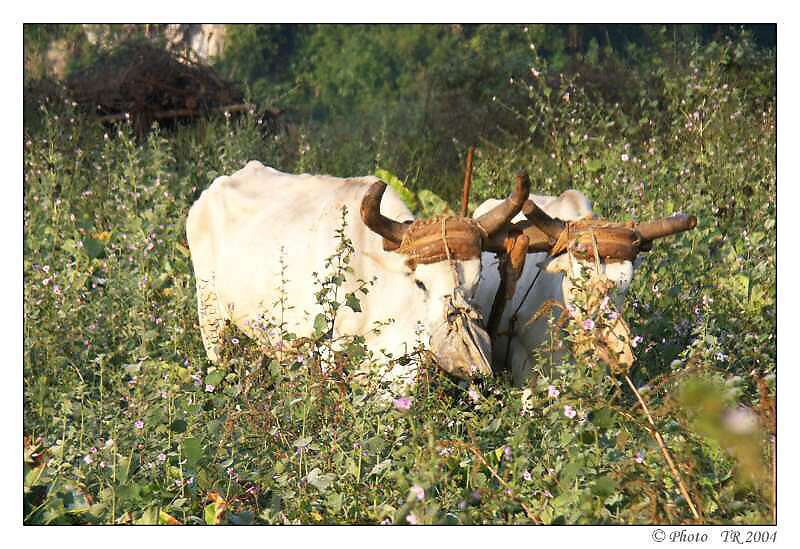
(442, 238)
(609, 240)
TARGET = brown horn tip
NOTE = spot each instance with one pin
(666, 226)
(389, 229)
(550, 226)
(528, 208)
(502, 214)
(522, 190)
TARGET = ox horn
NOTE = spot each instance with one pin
(666, 226)
(499, 216)
(391, 230)
(541, 220)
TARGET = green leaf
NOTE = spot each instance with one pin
(375, 444)
(94, 248)
(34, 477)
(320, 480)
(604, 487)
(602, 418)
(493, 426)
(432, 204)
(245, 518)
(192, 450)
(178, 426)
(352, 301)
(320, 325)
(210, 513)
(302, 442)
(334, 502)
(214, 378)
(380, 467)
(594, 165)
(123, 467)
(570, 472)
(397, 186)
(150, 516)
(132, 369)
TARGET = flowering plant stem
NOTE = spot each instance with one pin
(477, 453)
(656, 435)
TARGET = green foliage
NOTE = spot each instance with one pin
(126, 422)
(399, 187)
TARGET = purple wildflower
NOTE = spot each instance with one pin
(411, 518)
(588, 324)
(569, 411)
(138, 424)
(418, 492)
(209, 388)
(552, 392)
(403, 403)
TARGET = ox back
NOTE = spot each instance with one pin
(244, 225)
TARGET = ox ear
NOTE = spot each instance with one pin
(558, 264)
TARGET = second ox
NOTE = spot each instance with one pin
(426, 272)
(537, 259)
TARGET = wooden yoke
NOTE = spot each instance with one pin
(511, 263)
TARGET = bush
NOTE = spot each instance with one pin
(126, 422)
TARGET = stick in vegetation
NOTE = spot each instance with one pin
(177, 113)
(675, 473)
(510, 491)
(467, 182)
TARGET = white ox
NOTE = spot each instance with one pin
(240, 226)
(546, 279)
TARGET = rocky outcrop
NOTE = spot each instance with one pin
(203, 40)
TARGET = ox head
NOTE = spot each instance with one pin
(601, 254)
(443, 266)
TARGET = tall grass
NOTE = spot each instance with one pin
(126, 421)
